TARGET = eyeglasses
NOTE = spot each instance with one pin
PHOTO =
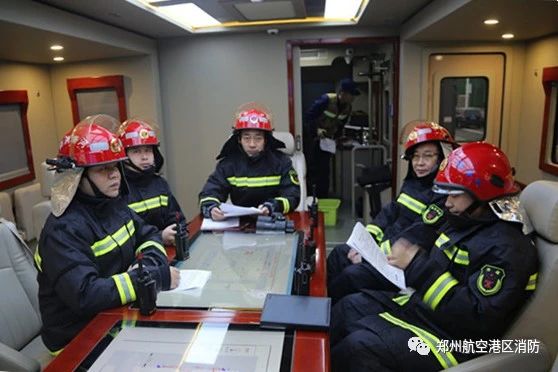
(428, 156)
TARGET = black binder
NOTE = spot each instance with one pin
(299, 312)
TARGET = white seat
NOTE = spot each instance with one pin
(24, 199)
(21, 347)
(536, 321)
(6, 207)
(41, 211)
(299, 164)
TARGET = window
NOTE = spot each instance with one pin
(16, 161)
(463, 107)
(548, 160)
(97, 95)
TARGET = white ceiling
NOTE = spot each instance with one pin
(527, 19)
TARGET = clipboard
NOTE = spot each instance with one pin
(282, 311)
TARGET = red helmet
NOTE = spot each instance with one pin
(64, 146)
(425, 131)
(480, 168)
(92, 144)
(136, 132)
(253, 119)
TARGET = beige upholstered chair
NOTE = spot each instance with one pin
(41, 210)
(537, 320)
(21, 348)
(299, 164)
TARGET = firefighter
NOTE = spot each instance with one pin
(251, 169)
(469, 286)
(324, 123)
(426, 145)
(150, 195)
(87, 256)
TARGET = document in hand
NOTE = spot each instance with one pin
(209, 224)
(231, 210)
(364, 243)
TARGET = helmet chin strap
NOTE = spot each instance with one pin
(94, 187)
(149, 171)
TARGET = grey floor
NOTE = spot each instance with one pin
(339, 233)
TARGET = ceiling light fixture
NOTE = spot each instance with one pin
(58, 59)
(56, 47)
(491, 21)
(188, 14)
(508, 36)
(344, 9)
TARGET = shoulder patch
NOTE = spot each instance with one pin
(490, 280)
(432, 214)
(294, 177)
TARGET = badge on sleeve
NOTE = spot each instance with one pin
(294, 177)
(490, 280)
(432, 214)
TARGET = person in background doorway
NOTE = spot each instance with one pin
(89, 249)
(469, 286)
(251, 169)
(150, 195)
(323, 124)
(426, 145)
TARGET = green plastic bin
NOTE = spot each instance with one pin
(329, 207)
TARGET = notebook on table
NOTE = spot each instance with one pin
(299, 312)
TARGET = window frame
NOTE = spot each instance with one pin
(77, 85)
(19, 97)
(549, 76)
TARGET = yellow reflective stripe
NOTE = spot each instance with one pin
(151, 243)
(445, 359)
(330, 114)
(402, 300)
(55, 353)
(438, 289)
(532, 283)
(38, 259)
(294, 179)
(385, 247)
(110, 242)
(151, 203)
(461, 257)
(286, 204)
(208, 198)
(125, 288)
(255, 181)
(376, 232)
(411, 203)
(442, 239)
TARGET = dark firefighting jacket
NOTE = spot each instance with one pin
(268, 179)
(151, 198)
(328, 114)
(83, 258)
(415, 202)
(469, 285)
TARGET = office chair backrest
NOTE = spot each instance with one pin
(41, 211)
(20, 320)
(6, 206)
(299, 164)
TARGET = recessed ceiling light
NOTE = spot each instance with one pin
(508, 36)
(58, 59)
(56, 47)
(342, 9)
(491, 21)
(439, 57)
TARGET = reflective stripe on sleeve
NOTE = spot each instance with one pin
(376, 232)
(124, 287)
(438, 290)
(532, 283)
(385, 247)
(151, 243)
(151, 203)
(411, 203)
(208, 198)
(286, 204)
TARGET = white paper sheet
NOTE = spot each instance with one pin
(192, 279)
(364, 243)
(231, 210)
(327, 144)
(209, 224)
